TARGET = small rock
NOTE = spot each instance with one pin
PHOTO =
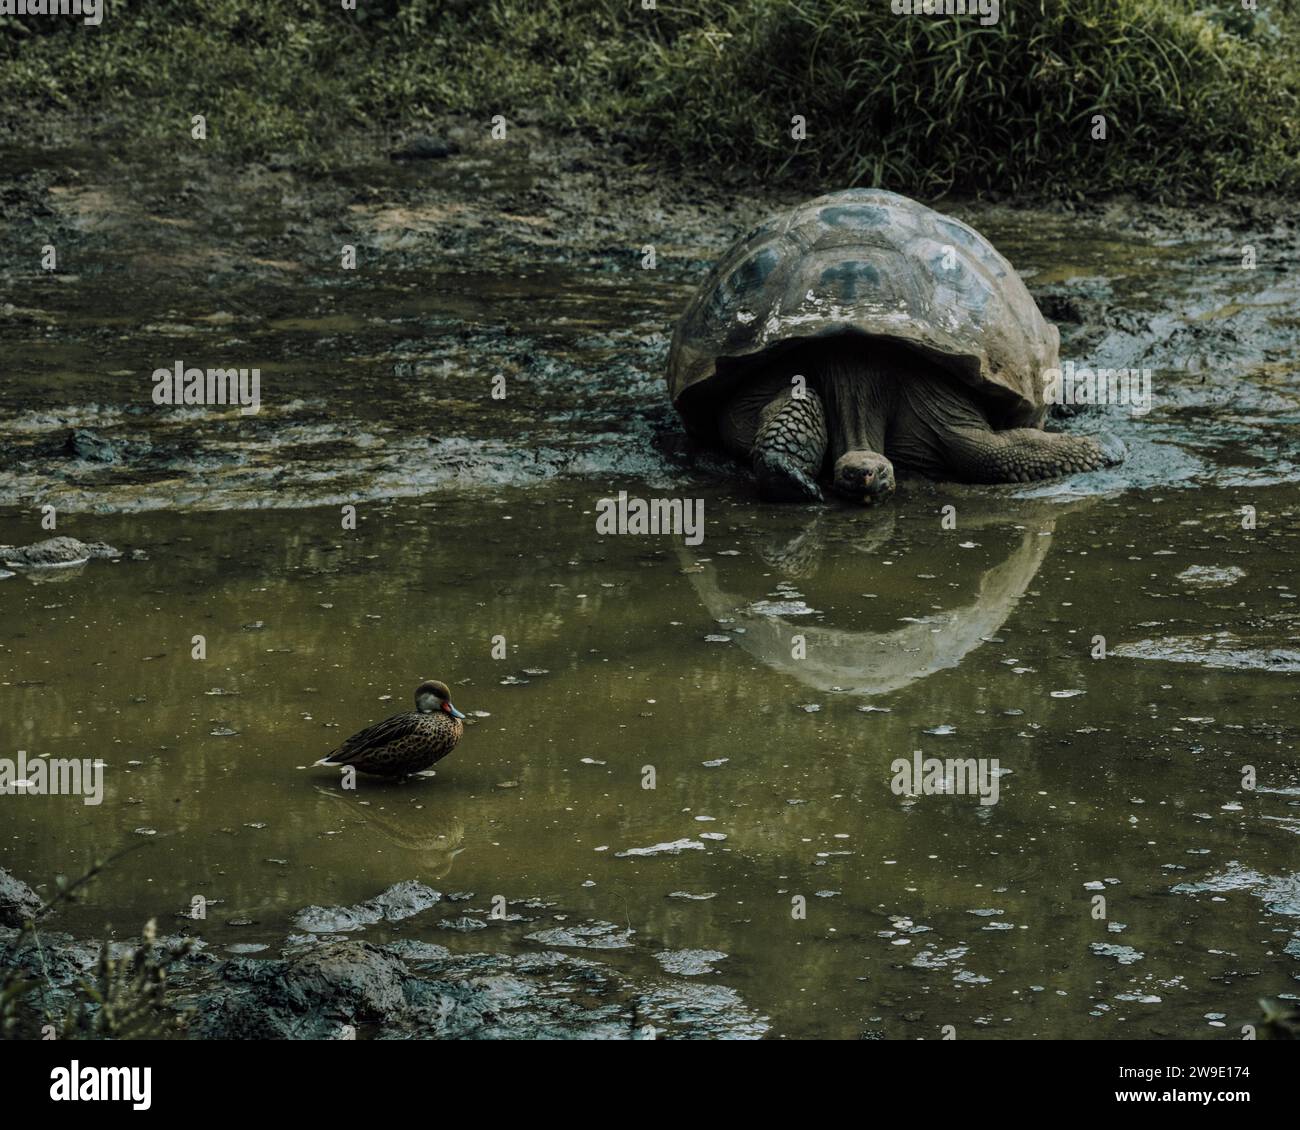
(402, 900)
(18, 902)
(1125, 955)
(90, 446)
(462, 925)
(676, 847)
(689, 963)
(594, 936)
(55, 552)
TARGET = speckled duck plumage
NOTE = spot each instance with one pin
(405, 743)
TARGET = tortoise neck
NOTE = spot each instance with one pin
(858, 380)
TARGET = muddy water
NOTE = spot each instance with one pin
(1119, 777)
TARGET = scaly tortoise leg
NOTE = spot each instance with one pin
(1023, 455)
(790, 447)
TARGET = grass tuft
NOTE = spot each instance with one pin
(1199, 100)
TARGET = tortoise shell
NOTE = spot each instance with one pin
(875, 263)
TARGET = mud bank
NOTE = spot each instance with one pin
(544, 269)
(331, 986)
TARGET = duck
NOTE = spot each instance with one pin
(405, 743)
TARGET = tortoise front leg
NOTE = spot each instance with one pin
(1022, 455)
(790, 447)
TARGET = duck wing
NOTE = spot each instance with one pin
(373, 737)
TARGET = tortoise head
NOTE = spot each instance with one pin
(864, 476)
(432, 696)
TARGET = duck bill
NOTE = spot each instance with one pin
(452, 710)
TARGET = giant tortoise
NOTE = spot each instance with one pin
(862, 330)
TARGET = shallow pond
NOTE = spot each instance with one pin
(766, 679)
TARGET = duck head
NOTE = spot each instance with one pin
(432, 696)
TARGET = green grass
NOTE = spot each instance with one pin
(1199, 101)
